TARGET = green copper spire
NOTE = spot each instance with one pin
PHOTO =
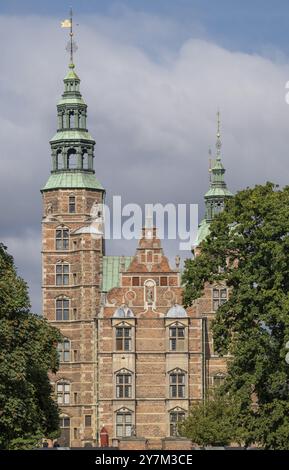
(72, 147)
(218, 192)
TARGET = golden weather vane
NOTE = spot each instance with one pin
(71, 45)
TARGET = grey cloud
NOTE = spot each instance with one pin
(152, 115)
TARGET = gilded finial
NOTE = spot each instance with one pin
(219, 142)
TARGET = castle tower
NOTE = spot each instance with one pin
(218, 192)
(72, 252)
(214, 295)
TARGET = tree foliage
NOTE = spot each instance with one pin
(248, 247)
(212, 422)
(27, 353)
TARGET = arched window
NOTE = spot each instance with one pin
(177, 384)
(63, 392)
(71, 159)
(177, 337)
(62, 238)
(124, 423)
(80, 124)
(62, 309)
(219, 206)
(123, 338)
(62, 274)
(85, 160)
(59, 160)
(63, 349)
(71, 119)
(124, 384)
(176, 416)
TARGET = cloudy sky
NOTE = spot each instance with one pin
(153, 73)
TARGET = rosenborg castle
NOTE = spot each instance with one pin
(132, 360)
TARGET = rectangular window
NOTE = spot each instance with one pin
(63, 393)
(62, 274)
(135, 281)
(64, 351)
(164, 281)
(65, 423)
(123, 424)
(123, 385)
(58, 239)
(62, 310)
(62, 239)
(220, 296)
(87, 421)
(175, 418)
(71, 204)
(123, 338)
(177, 385)
(66, 394)
(177, 338)
(218, 380)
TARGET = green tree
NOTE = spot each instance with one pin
(27, 353)
(212, 422)
(248, 247)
